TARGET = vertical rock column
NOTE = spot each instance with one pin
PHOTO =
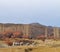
(26, 30)
(0, 28)
(46, 32)
(3, 28)
(56, 32)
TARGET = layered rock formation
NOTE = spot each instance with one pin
(33, 30)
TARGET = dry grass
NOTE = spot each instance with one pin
(34, 49)
(55, 47)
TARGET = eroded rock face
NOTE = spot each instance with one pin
(33, 30)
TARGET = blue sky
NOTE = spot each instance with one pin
(46, 12)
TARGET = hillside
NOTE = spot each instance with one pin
(33, 30)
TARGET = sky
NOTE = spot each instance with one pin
(46, 12)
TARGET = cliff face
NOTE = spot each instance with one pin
(37, 29)
(33, 30)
